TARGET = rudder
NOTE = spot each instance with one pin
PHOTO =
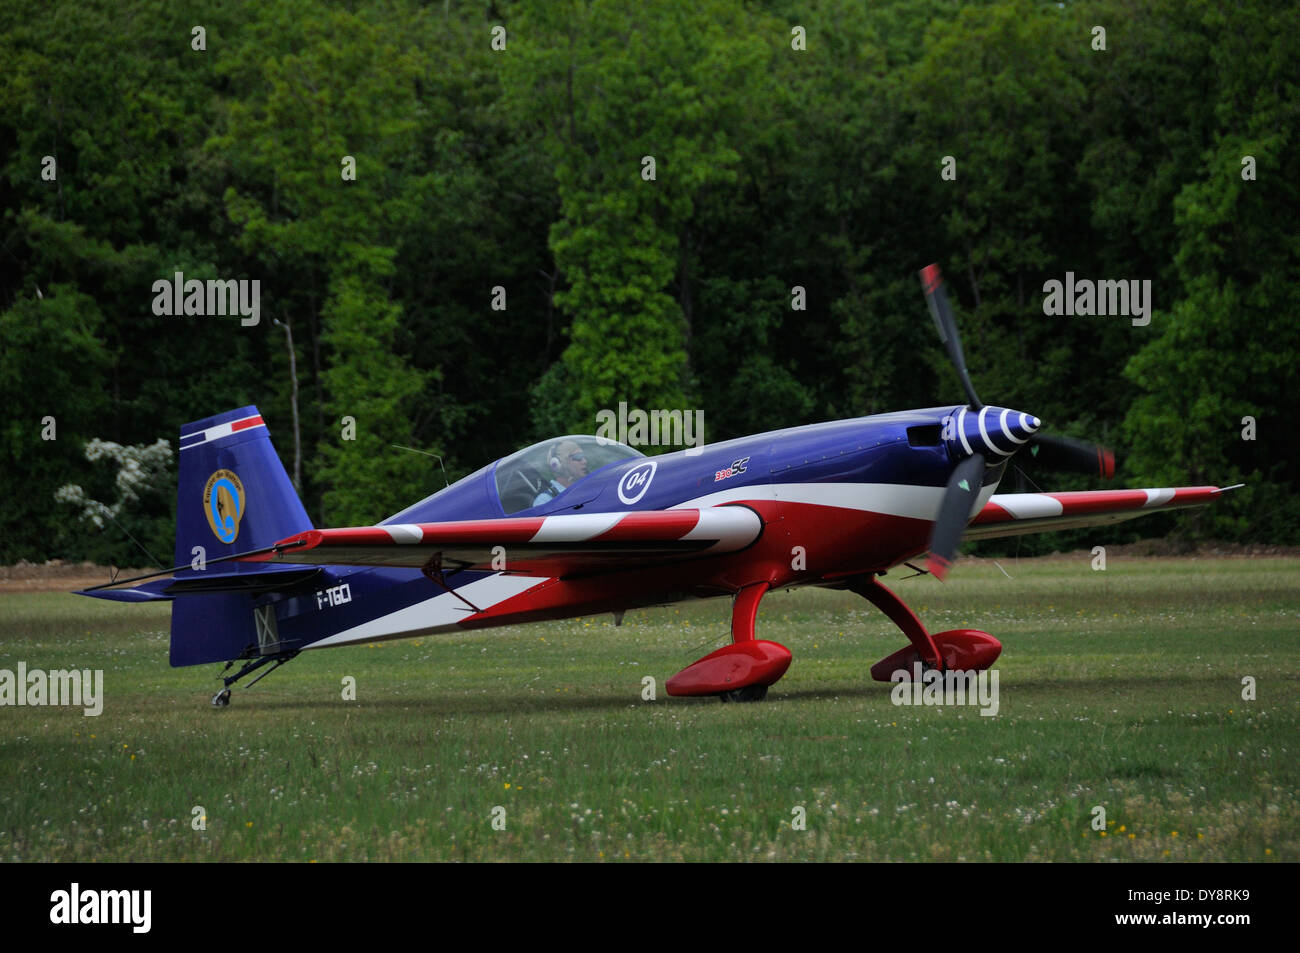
(233, 496)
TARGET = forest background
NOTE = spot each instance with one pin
(503, 262)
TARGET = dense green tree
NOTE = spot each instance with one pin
(636, 102)
(1229, 346)
(502, 265)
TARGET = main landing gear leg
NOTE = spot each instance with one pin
(965, 649)
(222, 698)
(741, 671)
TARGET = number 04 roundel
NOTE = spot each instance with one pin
(636, 481)
(223, 504)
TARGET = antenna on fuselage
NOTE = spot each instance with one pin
(445, 482)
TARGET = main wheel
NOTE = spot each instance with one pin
(221, 699)
(750, 693)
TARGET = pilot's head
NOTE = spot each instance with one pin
(568, 463)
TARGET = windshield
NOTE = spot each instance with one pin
(543, 471)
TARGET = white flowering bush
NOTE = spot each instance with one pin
(140, 469)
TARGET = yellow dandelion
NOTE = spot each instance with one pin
(250, 824)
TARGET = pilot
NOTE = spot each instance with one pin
(568, 465)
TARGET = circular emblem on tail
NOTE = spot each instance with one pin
(223, 504)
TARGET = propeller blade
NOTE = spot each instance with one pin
(954, 514)
(937, 298)
(1070, 454)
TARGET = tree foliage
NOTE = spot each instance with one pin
(503, 264)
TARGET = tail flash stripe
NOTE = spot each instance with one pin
(199, 437)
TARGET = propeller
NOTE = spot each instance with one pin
(937, 298)
(1002, 438)
(958, 499)
(1072, 455)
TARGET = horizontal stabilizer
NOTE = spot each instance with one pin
(272, 580)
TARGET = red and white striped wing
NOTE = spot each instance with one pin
(537, 545)
(1011, 514)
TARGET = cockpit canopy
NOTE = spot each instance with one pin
(540, 473)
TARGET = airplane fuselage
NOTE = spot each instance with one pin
(836, 499)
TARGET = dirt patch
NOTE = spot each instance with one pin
(58, 576)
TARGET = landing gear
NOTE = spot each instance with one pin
(222, 698)
(739, 672)
(954, 650)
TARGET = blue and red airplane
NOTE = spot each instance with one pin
(582, 525)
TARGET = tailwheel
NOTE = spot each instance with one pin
(750, 693)
(222, 698)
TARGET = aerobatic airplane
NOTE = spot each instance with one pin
(581, 525)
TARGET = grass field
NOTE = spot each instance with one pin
(1120, 689)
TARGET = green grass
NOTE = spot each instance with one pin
(1119, 688)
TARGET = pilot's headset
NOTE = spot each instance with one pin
(553, 459)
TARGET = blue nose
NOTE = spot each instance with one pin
(994, 431)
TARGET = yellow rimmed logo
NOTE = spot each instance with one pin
(223, 504)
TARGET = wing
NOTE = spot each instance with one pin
(535, 546)
(1011, 514)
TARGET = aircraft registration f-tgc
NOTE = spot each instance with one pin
(583, 525)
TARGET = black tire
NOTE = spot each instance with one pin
(750, 693)
(221, 699)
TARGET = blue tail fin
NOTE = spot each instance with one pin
(233, 494)
(233, 497)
